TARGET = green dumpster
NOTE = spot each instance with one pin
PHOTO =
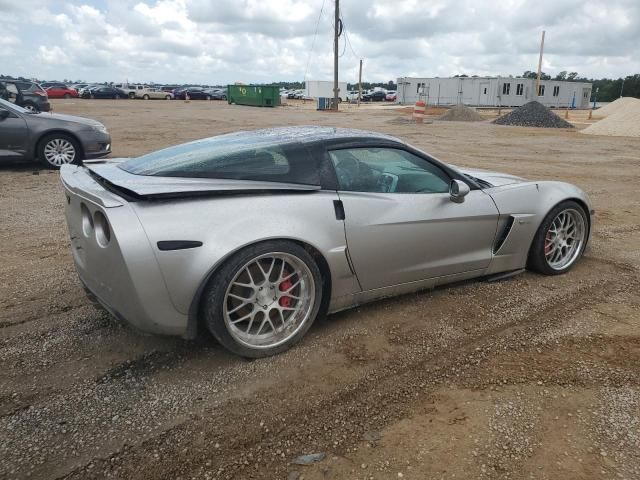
(253, 95)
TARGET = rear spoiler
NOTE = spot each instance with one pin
(77, 180)
(136, 187)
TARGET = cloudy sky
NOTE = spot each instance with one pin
(222, 41)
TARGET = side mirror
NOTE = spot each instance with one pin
(458, 190)
(4, 114)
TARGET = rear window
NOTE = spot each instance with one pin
(235, 156)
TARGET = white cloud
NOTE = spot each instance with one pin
(268, 40)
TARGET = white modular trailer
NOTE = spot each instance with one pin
(493, 91)
(324, 88)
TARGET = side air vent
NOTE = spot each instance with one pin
(503, 234)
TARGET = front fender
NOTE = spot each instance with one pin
(527, 204)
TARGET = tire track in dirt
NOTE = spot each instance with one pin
(279, 428)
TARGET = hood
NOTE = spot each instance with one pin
(153, 186)
(494, 178)
(65, 118)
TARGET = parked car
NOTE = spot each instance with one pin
(52, 139)
(377, 96)
(353, 216)
(195, 93)
(28, 95)
(217, 93)
(104, 92)
(391, 96)
(153, 94)
(79, 86)
(130, 90)
(60, 90)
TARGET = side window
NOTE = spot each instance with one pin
(386, 170)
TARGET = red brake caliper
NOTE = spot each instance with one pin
(284, 286)
(548, 243)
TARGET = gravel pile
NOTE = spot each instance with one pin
(624, 123)
(533, 114)
(461, 113)
(615, 107)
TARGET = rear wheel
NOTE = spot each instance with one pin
(132, 95)
(145, 97)
(32, 107)
(560, 240)
(264, 299)
(58, 149)
(67, 95)
(167, 97)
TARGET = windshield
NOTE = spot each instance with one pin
(240, 156)
(12, 106)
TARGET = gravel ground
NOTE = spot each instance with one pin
(533, 377)
(533, 114)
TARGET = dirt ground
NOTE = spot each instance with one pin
(533, 377)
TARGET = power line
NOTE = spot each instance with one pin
(313, 42)
(346, 35)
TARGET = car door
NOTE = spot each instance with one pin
(13, 135)
(401, 223)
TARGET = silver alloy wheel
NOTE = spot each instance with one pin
(564, 239)
(59, 151)
(30, 107)
(268, 300)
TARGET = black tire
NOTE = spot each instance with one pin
(132, 95)
(214, 296)
(537, 260)
(67, 96)
(208, 97)
(167, 97)
(145, 97)
(48, 138)
(92, 96)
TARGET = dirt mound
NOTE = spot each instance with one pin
(461, 113)
(533, 114)
(615, 107)
(624, 123)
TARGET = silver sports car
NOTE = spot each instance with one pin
(253, 235)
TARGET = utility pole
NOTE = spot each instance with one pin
(360, 83)
(621, 88)
(336, 34)
(539, 66)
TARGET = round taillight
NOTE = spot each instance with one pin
(87, 220)
(103, 231)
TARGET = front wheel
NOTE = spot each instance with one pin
(145, 97)
(167, 97)
(264, 299)
(58, 149)
(560, 240)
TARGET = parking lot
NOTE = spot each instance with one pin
(531, 377)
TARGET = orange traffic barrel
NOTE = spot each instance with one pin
(418, 111)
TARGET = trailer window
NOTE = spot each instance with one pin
(556, 90)
(506, 88)
(541, 91)
(520, 89)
